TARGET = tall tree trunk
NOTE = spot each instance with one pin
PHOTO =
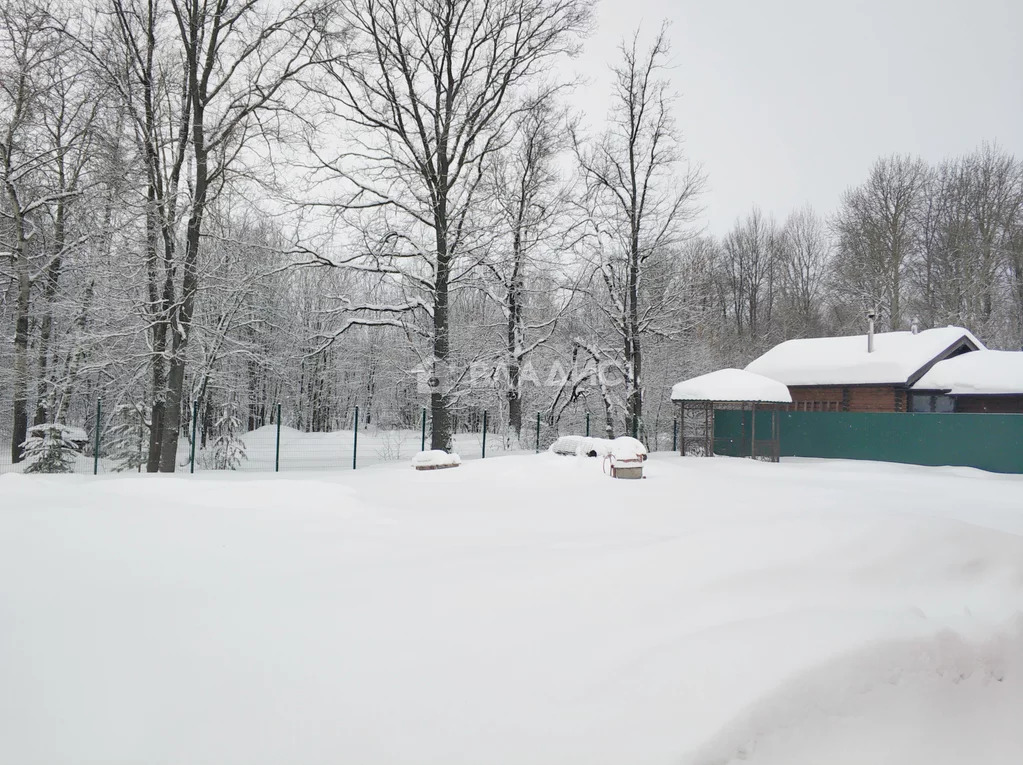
(19, 260)
(514, 350)
(634, 354)
(52, 276)
(181, 314)
(158, 321)
(20, 431)
(440, 396)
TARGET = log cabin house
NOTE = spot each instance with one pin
(875, 372)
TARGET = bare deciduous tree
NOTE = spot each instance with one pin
(640, 201)
(876, 229)
(428, 90)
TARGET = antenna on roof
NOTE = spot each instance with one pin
(870, 330)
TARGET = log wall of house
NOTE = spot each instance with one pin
(877, 398)
(989, 404)
(816, 398)
(848, 398)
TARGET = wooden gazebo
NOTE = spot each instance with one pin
(732, 390)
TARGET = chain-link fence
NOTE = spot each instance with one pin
(117, 440)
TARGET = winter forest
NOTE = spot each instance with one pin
(392, 204)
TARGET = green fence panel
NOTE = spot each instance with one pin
(988, 441)
(733, 431)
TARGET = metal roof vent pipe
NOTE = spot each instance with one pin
(870, 331)
(915, 326)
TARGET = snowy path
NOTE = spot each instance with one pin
(515, 610)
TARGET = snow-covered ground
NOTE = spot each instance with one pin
(523, 609)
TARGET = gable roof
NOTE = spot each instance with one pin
(731, 385)
(988, 373)
(898, 358)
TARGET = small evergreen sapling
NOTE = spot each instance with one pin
(128, 439)
(49, 449)
(227, 449)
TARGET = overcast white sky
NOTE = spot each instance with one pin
(788, 102)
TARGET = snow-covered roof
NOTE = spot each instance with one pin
(982, 373)
(731, 385)
(897, 357)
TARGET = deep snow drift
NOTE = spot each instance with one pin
(522, 609)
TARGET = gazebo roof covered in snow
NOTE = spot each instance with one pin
(984, 373)
(728, 385)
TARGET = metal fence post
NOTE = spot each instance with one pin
(484, 454)
(355, 438)
(587, 424)
(277, 448)
(142, 428)
(537, 432)
(95, 452)
(422, 443)
(195, 420)
(674, 434)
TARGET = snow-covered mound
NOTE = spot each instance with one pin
(436, 458)
(622, 447)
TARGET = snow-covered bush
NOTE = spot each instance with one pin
(50, 448)
(391, 444)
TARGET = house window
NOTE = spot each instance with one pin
(939, 404)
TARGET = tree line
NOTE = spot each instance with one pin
(388, 203)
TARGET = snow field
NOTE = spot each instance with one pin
(518, 609)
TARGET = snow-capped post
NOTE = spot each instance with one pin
(422, 445)
(355, 438)
(537, 432)
(95, 448)
(483, 455)
(195, 421)
(587, 424)
(277, 447)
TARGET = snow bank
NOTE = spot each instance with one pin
(436, 458)
(980, 372)
(518, 611)
(896, 358)
(731, 385)
(943, 700)
(622, 447)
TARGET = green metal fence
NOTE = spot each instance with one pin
(988, 441)
(104, 439)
